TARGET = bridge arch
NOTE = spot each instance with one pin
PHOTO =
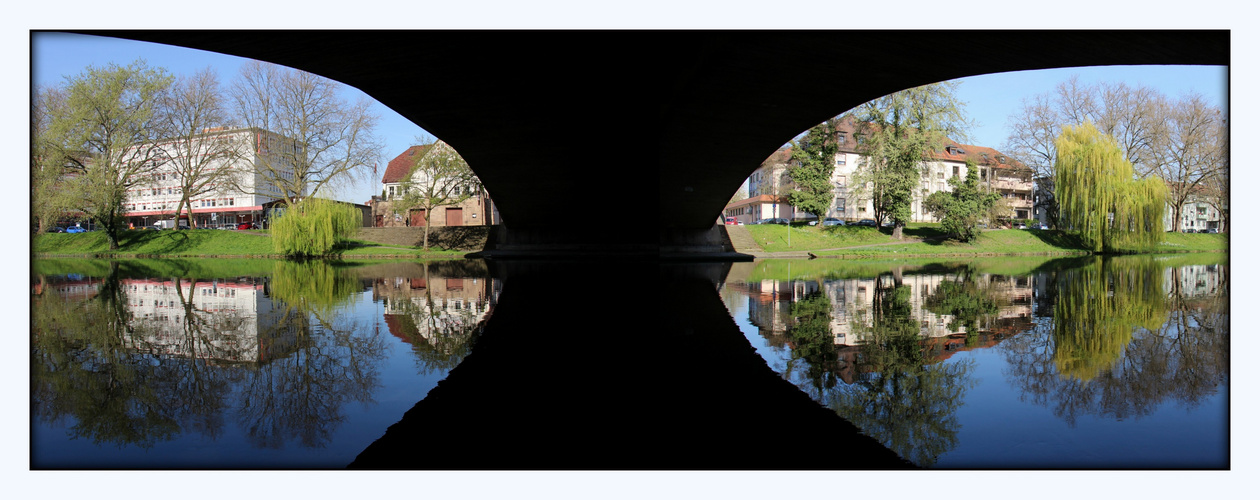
(638, 150)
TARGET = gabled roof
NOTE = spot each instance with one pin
(401, 164)
(988, 157)
(847, 128)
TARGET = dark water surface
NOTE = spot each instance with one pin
(997, 363)
(1079, 364)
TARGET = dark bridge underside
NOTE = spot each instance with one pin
(633, 141)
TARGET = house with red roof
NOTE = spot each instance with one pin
(476, 210)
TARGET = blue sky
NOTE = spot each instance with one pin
(990, 99)
(55, 56)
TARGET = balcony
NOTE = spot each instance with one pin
(1009, 183)
(1018, 203)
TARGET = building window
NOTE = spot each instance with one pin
(840, 160)
(842, 181)
(839, 204)
(955, 170)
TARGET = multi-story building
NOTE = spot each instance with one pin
(226, 204)
(997, 172)
(1196, 215)
(477, 210)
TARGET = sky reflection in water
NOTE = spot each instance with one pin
(1080, 364)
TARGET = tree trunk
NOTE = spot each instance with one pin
(896, 233)
(427, 223)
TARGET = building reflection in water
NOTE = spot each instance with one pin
(852, 301)
(277, 355)
(1108, 338)
(439, 316)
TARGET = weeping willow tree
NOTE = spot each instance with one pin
(1100, 199)
(314, 227)
(1099, 307)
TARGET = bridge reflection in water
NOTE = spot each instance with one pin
(638, 366)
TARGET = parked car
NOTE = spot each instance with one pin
(57, 229)
(867, 222)
(1022, 226)
(250, 225)
(1213, 231)
(773, 221)
(832, 221)
(76, 229)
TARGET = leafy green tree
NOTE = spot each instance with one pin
(105, 131)
(50, 198)
(439, 177)
(314, 227)
(1100, 199)
(814, 156)
(962, 209)
(895, 135)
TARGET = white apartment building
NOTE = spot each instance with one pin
(1196, 215)
(156, 198)
(997, 172)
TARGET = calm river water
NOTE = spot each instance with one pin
(1007, 363)
(997, 363)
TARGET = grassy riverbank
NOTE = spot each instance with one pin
(927, 240)
(204, 243)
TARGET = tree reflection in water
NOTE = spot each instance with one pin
(440, 311)
(286, 370)
(80, 370)
(901, 397)
(1125, 338)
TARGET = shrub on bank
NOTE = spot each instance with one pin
(314, 227)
